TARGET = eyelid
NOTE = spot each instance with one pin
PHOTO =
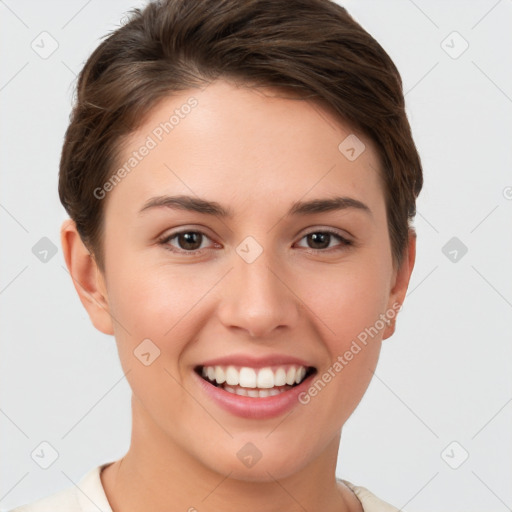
(327, 229)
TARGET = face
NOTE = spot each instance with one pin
(239, 286)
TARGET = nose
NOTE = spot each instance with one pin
(258, 298)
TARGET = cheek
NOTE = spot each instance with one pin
(160, 304)
(347, 305)
(152, 297)
(156, 305)
(346, 300)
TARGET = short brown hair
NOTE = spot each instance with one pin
(311, 46)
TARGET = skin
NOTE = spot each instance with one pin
(255, 151)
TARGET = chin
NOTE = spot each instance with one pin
(271, 461)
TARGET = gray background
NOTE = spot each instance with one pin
(444, 377)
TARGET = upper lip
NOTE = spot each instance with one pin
(255, 362)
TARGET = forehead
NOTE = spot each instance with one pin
(246, 147)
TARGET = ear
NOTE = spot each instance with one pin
(87, 278)
(402, 275)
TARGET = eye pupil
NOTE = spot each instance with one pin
(322, 239)
(189, 240)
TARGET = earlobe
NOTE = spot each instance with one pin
(87, 278)
(401, 283)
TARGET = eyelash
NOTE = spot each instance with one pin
(165, 242)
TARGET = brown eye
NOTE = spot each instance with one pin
(321, 240)
(185, 242)
(190, 240)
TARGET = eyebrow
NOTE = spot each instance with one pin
(195, 204)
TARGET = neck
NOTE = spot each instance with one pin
(157, 474)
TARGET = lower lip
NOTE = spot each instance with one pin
(251, 407)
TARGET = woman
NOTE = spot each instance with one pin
(240, 179)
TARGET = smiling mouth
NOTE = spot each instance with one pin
(255, 382)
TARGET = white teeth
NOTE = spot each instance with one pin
(231, 376)
(247, 377)
(220, 375)
(254, 393)
(265, 378)
(241, 391)
(280, 377)
(290, 376)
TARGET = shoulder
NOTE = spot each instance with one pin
(62, 500)
(369, 501)
(87, 496)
